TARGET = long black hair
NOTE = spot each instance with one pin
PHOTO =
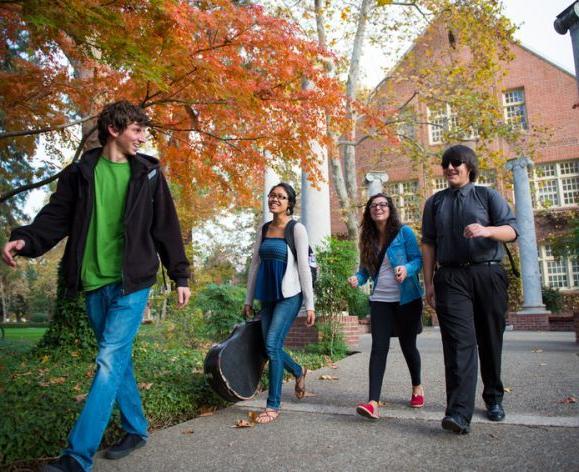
(369, 243)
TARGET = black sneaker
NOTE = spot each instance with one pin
(456, 423)
(63, 464)
(127, 444)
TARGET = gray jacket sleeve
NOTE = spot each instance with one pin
(305, 275)
(252, 275)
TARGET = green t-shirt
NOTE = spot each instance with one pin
(102, 260)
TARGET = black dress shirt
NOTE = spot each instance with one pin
(449, 211)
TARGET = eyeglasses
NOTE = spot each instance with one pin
(276, 196)
(381, 205)
(455, 163)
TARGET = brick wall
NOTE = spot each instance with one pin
(301, 335)
(538, 322)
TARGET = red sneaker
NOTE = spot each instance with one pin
(417, 401)
(368, 411)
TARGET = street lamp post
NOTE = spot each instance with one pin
(568, 20)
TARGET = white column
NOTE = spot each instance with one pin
(270, 179)
(527, 240)
(316, 215)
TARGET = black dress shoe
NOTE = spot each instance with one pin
(63, 464)
(495, 412)
(127, 444)
(456, 424)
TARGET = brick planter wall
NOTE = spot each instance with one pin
(576, 316)
(529, 322)
(301, 335)
(364, 325)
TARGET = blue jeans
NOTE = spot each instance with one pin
(276, 320)
(115, 319)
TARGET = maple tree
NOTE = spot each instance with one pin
(223, 82)
(464, 77)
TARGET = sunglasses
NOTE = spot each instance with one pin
(455, 163)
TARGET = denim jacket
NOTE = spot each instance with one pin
(403, 250)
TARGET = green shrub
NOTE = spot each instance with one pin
(41, 395)
(331, 342)
(337, 261)
(222, 307)
(185, 327)
(552, 299)
(358, 304)
(39, 318)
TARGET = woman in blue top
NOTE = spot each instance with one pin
(281, 283)
(389, 254)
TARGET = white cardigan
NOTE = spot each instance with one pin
(297, 276)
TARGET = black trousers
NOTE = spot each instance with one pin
(405, 319)
(471, 304)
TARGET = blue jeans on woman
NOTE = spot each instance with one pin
(115, 319)
(276, 320)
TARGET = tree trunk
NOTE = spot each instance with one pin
(345, 177)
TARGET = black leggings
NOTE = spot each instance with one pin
(406, 320)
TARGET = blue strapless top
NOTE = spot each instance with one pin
(273, 255)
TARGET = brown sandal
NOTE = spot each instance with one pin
(268, 415)
(301, 385)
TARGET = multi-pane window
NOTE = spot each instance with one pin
(486, 178)
(556, 184)
(515, 108)
(443, 120)
(561, 272)
(440, 121)
(406, 198)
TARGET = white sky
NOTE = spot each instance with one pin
(535, 20)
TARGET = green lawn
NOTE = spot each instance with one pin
(24, 334)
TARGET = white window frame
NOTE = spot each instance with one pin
(560, 178)
(518, 120)
(444, 120)
(546, 257)
(401, 196)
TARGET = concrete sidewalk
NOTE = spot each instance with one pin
(323, 432)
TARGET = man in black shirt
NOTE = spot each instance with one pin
(463, 228)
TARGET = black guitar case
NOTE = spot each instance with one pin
(233, 368)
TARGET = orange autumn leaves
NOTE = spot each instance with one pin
(225, 85)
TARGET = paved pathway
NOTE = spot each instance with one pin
(323, 433)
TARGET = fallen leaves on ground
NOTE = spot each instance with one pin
(569, 400)
(537, 350)
(243, 424)
(508, 389)
(249, 423)
(207, 410)
(328, 377)
(187, 431)
(145, 385)
(80, 398)
(310, 394)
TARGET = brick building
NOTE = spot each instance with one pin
(534, 92)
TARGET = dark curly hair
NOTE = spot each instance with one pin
(119, 115)
(291, 195)
(369, 243)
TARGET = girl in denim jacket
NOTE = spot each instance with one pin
(390, 256)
